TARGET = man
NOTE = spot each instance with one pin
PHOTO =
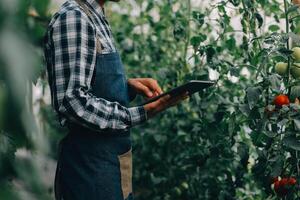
(91, 96)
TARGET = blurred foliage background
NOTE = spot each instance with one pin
(201, 149)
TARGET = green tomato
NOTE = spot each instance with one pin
(185, 185)
(281, 68)
(295, 70)
(177, 191)
(296, 53)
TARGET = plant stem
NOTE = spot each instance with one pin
(287, 29)
(298, 170)
(30, 106)
(187, 42)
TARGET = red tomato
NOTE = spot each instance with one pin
(292, 181)
(280, 188)
(283, 186)
(281, 100)
(275, 179)
(276, 185)
(284, 181)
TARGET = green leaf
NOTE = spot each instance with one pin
(285, 51)
(270, 134)
(244, 108)
(253, 94)
(292, 8)
(259, 139)
(231, 43)
(210, 52)
(275, 81)
(294, 37)
(269, 40)
(292, 142)
(149, 6)
(274, 28)
(259, 19)
(295, 92)
(235, 2)
(297, 124)
(231, 124)
(243, 150)
(179, 31)
(199, 17)
(234, 71)
(196, 40)
(277, 164)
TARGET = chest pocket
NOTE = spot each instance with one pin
(110, 80)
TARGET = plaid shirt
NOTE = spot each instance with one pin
(70, 54)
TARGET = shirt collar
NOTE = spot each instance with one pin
(95, 6)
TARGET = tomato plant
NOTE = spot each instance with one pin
(295, 71)
(230, 125)
(274, 130)
(227, 142)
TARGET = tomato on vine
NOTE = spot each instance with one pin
(283, 186)
(292, 181)
(296, 53)
(274, 179)
(295, 70)
(280, 189)
(281, 68)
(185, 185)
(281, 100)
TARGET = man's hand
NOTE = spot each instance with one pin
(163, 103)
(147, 87)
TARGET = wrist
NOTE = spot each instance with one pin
(149, 110)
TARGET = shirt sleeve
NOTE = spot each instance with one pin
(74, 43)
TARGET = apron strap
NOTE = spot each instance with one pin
(87, 11)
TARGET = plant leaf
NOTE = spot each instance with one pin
(297, 124)
(292, 142)
(253, 94)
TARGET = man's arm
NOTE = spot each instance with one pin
(75, 57)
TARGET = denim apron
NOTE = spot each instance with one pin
(98, 166)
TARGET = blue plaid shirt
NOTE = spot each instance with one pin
(70, 54)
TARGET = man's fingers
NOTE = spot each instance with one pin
(164, 100)
(157, 88)
(168, 101)
(144, 89)
(164, 103)
(153, 85)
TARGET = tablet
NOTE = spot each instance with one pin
(191, 87)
